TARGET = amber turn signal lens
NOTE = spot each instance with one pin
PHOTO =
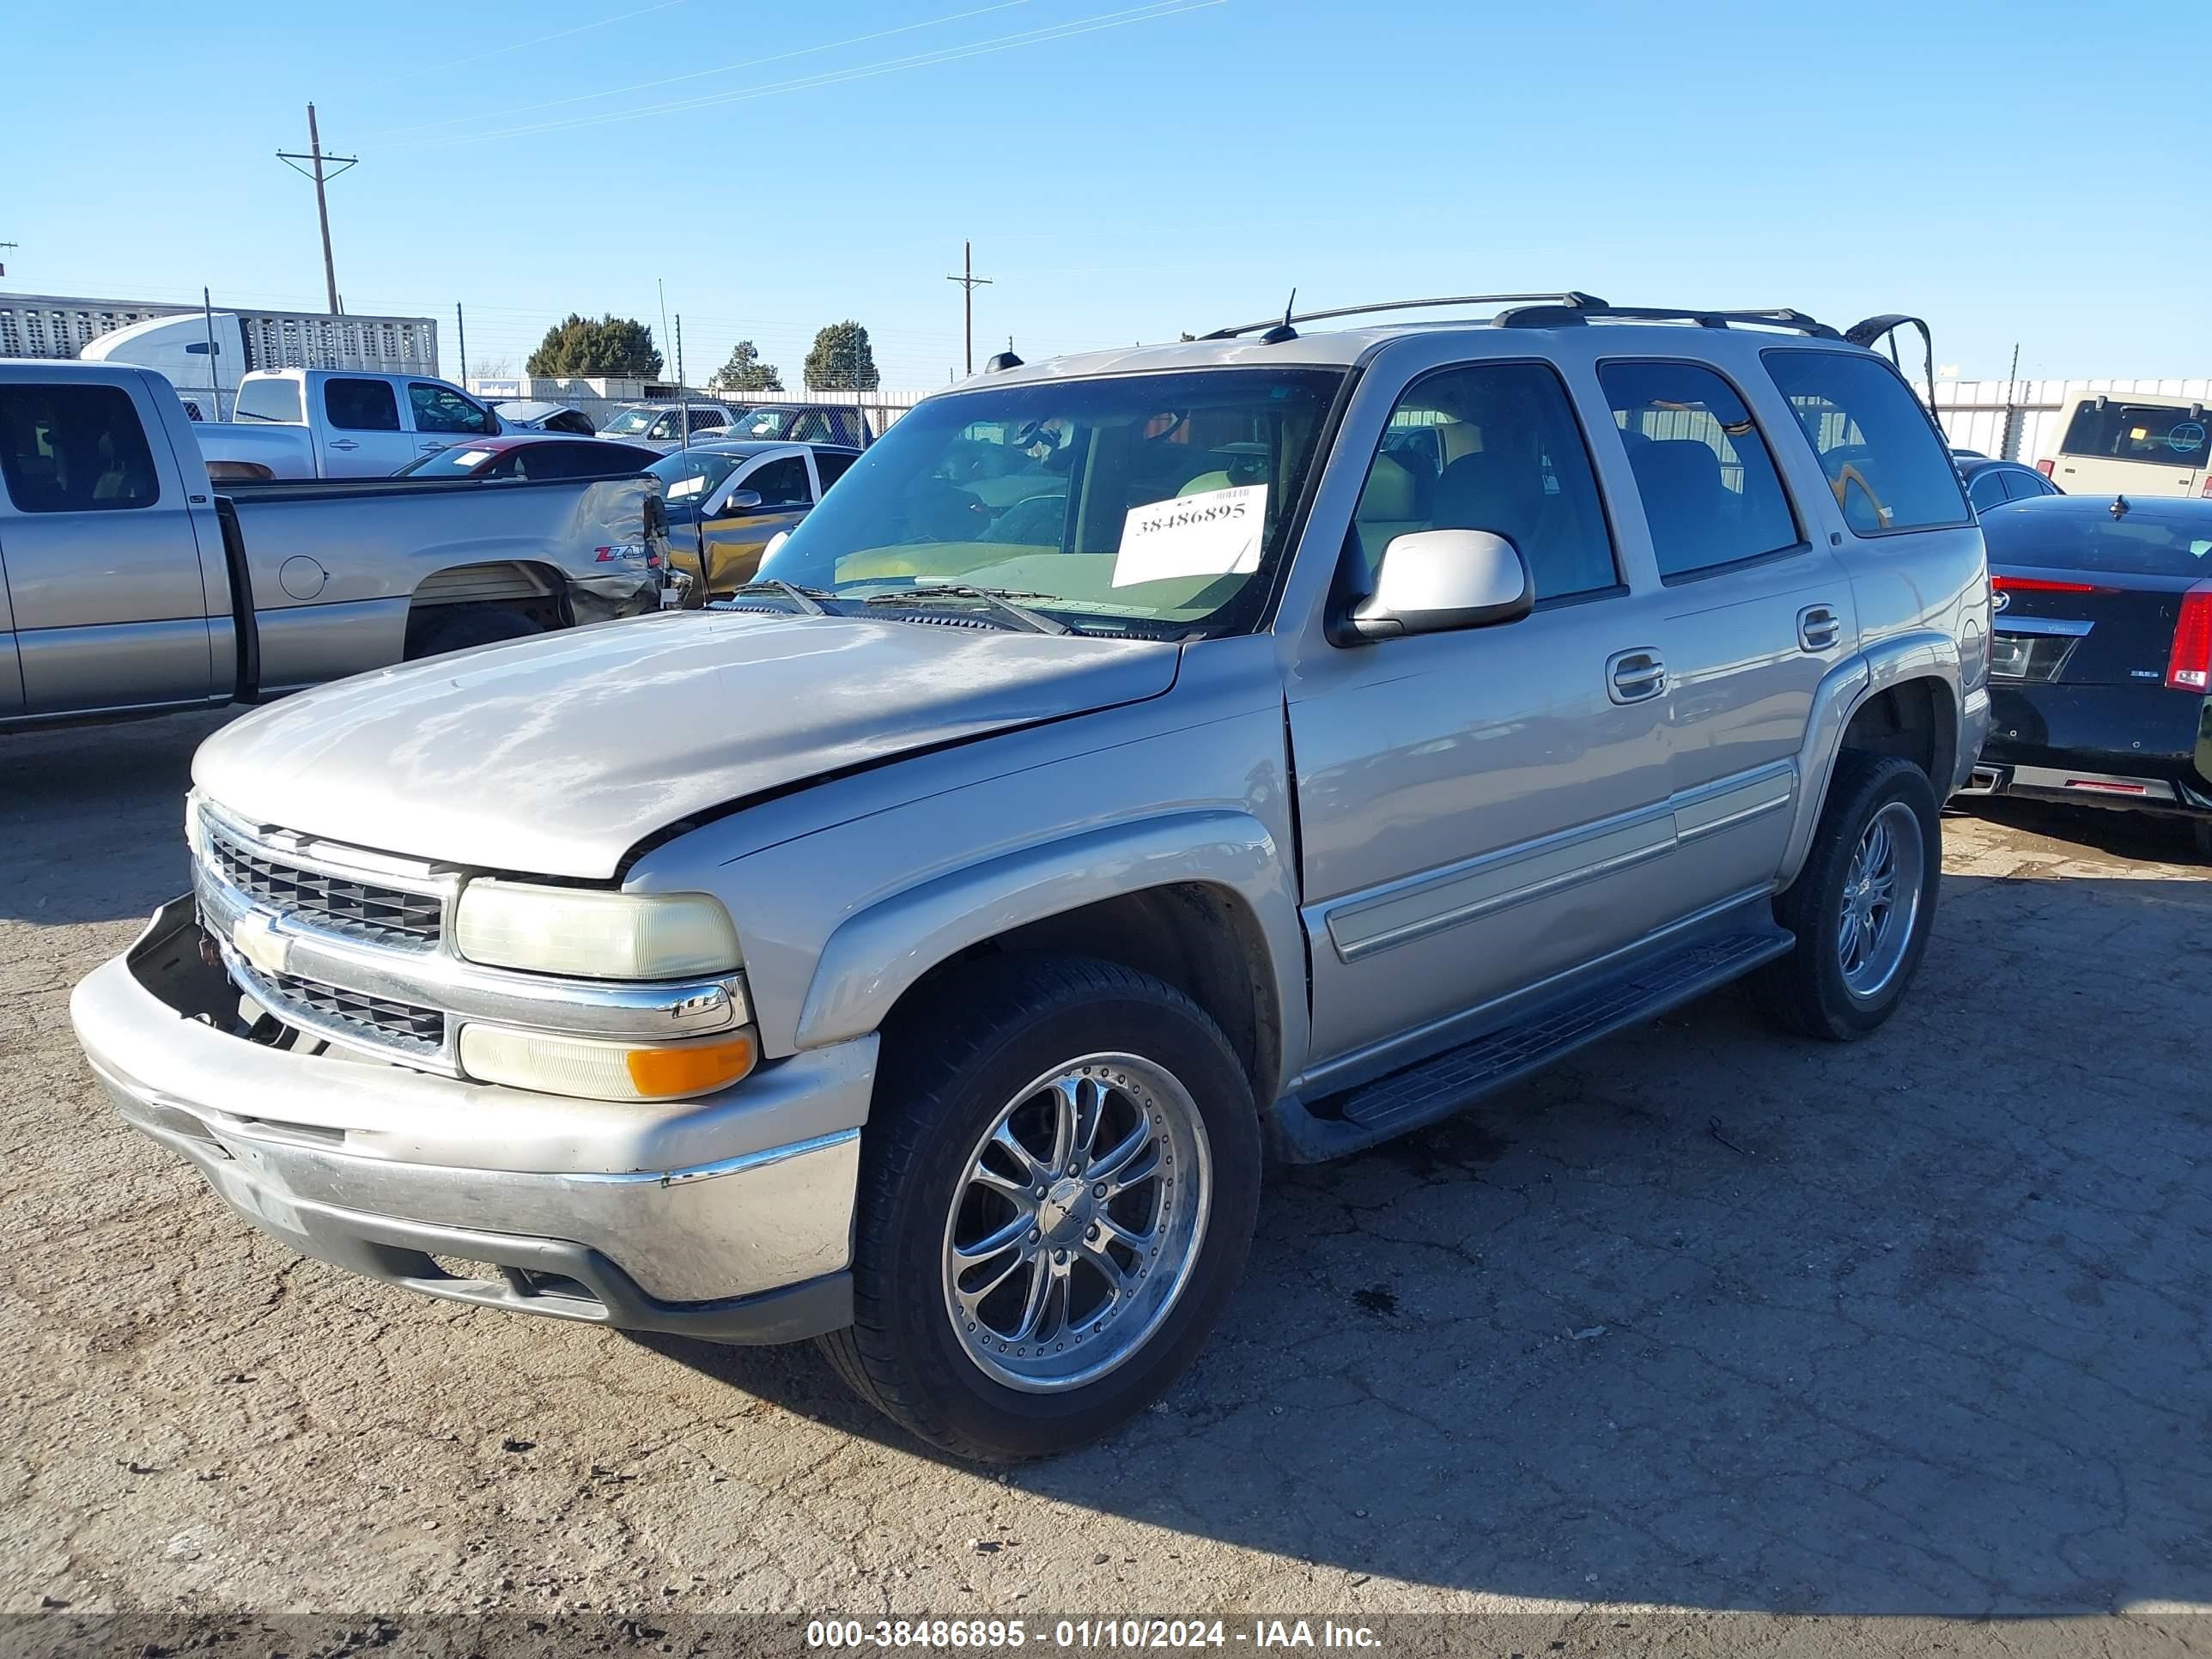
(695, 1068)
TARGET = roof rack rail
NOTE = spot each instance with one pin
(1568, 313)
(1570, 299)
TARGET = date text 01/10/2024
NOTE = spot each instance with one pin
(1084, 1634)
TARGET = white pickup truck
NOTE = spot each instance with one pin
(336, 423)
(127, 585)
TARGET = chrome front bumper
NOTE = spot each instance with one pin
(727, 1217)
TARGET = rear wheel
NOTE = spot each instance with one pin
(1059, 1183)
(2203, 829)
(458, 627)
(1862, 906)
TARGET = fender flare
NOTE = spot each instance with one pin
(876, 955)
(1921, 654)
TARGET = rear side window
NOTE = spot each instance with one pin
(270, 401)
(2138, 432)
(2026, 484)
(1888, 468)
(73, 449)
(1987, 488)
(361, 405)
(1710, 494)
(1498, 449)
(831, 467)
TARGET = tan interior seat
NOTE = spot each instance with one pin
(1389, 506)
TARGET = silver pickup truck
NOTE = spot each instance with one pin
(127, 584)
(1140, 766)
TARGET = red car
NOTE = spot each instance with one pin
(533, 455)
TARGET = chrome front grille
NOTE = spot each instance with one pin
(337, 903)
(332, 1009)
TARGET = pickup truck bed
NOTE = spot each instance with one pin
(122, 572)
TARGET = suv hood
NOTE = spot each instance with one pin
(554, 756)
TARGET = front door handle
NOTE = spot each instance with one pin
(1635, 676)
(344, 443)
(1819, 627)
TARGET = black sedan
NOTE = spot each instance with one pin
(533, 455)
(2100, 678)
(1992, 483)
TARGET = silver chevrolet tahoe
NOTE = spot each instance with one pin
(1141, 765)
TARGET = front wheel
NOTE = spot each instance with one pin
(1059, 1183)
(1862, 906)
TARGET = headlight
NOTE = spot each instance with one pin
(594, 935)
(195, 826)
(605, 1071)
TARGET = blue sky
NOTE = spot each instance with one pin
(2033, 172)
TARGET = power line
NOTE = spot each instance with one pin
(1144, 14)
(561, 34)
(292, 160)
(696, 75)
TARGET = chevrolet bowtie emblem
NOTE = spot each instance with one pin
(255, 938)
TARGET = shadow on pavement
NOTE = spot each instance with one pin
(1716, 1318)
(93, 818)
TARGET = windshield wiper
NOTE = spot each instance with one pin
(807, 600)
(999, 599)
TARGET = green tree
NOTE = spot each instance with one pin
(842, 360)
(620, 347)
(745, 372)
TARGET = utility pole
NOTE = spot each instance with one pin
(214, 371)
(683, 388)
(461, 327)
(4, 269)
(970, 282)
(318, 172)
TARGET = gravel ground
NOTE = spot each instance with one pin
(1707, 1320)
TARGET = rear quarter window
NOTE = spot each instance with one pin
(1884, 462)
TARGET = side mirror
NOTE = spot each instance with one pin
(742, 500)
(1430, 581)
(774, 545)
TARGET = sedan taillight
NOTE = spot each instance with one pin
(2044, 466)
(2188, 668)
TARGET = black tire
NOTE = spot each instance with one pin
(2202, 829)
(948, 1070)
(460, 627)
(1805, 990)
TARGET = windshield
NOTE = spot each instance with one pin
(461, 461)
(1110, 504)
(759, 423)
(630, 422)
(691, 474)
(2162, 538)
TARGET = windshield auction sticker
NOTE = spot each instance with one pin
(1215, 533)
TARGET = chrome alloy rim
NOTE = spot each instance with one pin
(1078, 1223)
(1881, 900)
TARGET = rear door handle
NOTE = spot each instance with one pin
(1819, 627)
(1635, 676)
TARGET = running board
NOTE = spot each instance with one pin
(1436, 1088)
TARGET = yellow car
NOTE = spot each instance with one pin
(727, 501)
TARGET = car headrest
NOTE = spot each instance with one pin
(1390, 494)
